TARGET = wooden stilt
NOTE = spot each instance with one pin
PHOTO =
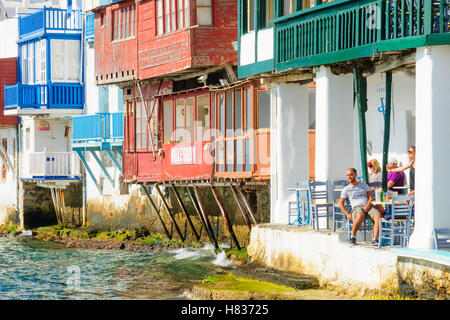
(63, 208)
(183, 208)
(246, 203)
(197, 210)
(157, 211)
(225, 216)
(205, 217)
(241, 208)
(169, 212)
(55, 204)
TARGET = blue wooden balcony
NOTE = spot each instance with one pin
(350, 29)
(99, 131)
(22, 99)
(50, 20)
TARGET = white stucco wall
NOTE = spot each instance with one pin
(247, 52)
(402, 132)
(10, 34)
(289, 142)
(334, 126)
(8, 188)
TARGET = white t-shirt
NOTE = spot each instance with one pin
(357, 195)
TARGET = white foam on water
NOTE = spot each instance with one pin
(187, 253)
(26, 233)
(222, 260)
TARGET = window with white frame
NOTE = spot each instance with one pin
(41, 63)
(24, 65)
(65, 60)
(124, 23)
(204, 12)
(171, 15)
(30, 58)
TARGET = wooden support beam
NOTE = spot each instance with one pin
(156, 210)
(197, 210)
(100, 163)
(166, 205)
(391, 64)
(305, 76)
(113, 158)
(241, 208)
(225, 216)
(83, 160)
(205, 217)
(63, 208)
(5, 158)
(183, 208)
(247, 204)
(55, 204)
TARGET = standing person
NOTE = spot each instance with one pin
(395, 178)
(375, 174)
(411, 165)
(360, 199)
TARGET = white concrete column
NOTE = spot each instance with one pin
(432, 147)
(289, 146)
(334, 124)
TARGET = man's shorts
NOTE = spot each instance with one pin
(360, 209)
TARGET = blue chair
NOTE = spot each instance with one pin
(399, 225)
(340, 221)
(299, 208)
(318, 203)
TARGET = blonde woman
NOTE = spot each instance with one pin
(375, 174)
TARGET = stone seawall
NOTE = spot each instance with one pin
(133, 210)
(356, 270)
(36, 206)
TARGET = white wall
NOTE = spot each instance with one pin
(289, 144)
(402, 131)
(9, 34)
(247, 52)
(8, 189)
(334, 127)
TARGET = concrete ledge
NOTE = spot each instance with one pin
(356, 269)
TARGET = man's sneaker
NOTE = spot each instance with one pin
(353, 240)
(374, 242)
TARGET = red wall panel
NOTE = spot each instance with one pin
(8, 76)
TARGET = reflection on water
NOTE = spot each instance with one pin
(31, 269)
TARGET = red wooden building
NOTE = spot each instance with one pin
(152, 48)
(169, 56)
(8, 76)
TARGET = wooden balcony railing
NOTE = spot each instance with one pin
(52, 165)
(347, 29)
(54, 95)
(97, 128)
(50, 19)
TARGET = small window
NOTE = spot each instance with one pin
(263, 109)
(249, 16)
(202, 116)
(24, 65)
(179, 120)
(124, 23)
(189, 120)
(168, 121)
(65, 60)
(204, 13)
(171, 15)
(141, 126)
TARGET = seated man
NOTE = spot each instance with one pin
(395, 179)
(360, 199)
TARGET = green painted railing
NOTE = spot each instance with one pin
(350, 29)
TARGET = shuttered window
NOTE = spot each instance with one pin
(171, 15)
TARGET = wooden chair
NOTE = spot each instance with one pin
(340, 221)
(318, 203)
(299, 208)
(399, 224)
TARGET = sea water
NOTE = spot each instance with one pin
(32, 269)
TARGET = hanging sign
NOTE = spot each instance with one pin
(183, 155)
(43, 125)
